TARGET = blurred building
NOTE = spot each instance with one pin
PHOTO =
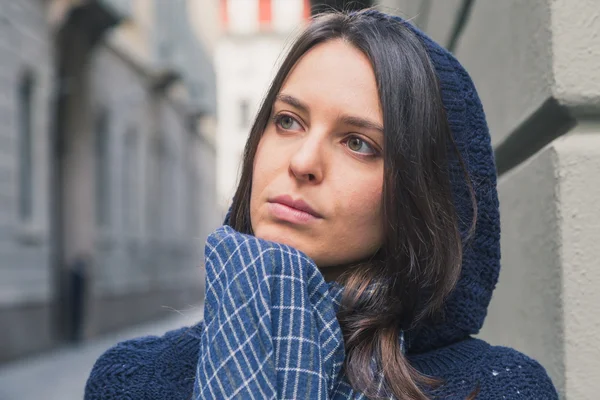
(536, 67)
(107, 165)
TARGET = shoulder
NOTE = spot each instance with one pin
(495, 372)
(148, 367)
(507, 374)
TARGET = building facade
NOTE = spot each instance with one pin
(535, 65)
(107, 167)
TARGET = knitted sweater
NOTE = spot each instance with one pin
(167, 367)
(164, 367)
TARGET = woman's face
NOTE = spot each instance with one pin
(318, 171)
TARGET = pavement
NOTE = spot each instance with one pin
(61, 373)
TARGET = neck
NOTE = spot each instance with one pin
(332, 273)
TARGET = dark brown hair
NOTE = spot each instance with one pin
(409, 278)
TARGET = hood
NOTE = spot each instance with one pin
(466, 307)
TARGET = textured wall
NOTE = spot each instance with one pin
(147, 258)
(536, 65)
(546, 302)
(576, 54)
(526, 311)
(506, 47)
(24, 46)
(579, 196)
(24, 250)
(159, 253)
(176, 46)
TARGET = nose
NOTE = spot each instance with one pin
(306, 163)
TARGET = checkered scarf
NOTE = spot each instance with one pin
(271, 330)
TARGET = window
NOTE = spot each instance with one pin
(244, 114)
(193, 198)
(288, 14)
(102, 156)
(168, 189)
(25, 126)
(130, 182)
(319, 6)
(153, 185)
(241, 16)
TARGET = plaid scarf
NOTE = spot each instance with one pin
(270, 327)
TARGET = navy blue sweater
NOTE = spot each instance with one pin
(164, 367)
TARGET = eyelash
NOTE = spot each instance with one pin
(376, 153)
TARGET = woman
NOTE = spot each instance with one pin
(369, 164)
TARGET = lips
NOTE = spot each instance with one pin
(298, 205)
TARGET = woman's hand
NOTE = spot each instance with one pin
(270, 322)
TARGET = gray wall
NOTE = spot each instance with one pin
(535, 65)
(161, 190)
(25, 45)
(176, 46)
(149, 248)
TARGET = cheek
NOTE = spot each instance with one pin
(264, 172)
(363, 196)
(267, 159)
(366, 203)
(259, 172)
(360, 207)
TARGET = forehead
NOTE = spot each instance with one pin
(337, 76)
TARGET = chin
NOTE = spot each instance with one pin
(276, 234)
(283, 235)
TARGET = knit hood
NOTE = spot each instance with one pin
(466, 307)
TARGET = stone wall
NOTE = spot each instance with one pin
(25, 290)
(150, 247)
(158, 188)
(535, 65)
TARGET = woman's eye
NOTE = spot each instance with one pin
(360, 146)
(286, 122)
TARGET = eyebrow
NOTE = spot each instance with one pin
(347, 119)
(361, 123)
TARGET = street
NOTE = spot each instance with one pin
(61, 374)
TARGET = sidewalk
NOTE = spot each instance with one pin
(61, 374)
